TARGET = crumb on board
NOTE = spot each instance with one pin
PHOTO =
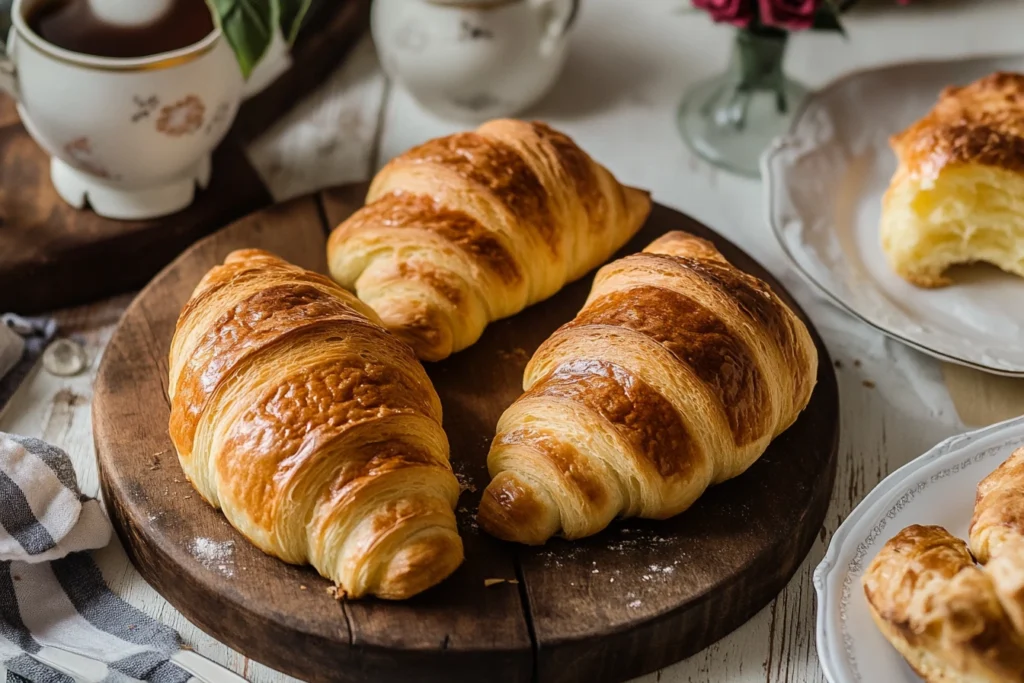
(516, 354)
(868, 383)
(856, 363)
(494, 582)
(302, 587)
(839, 364)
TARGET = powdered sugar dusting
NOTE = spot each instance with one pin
(218, 556)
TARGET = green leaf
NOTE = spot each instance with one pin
(291, 15)
(247, 26)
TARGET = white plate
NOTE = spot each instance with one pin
(936, 488)
(824, 183)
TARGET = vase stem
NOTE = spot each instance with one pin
(731, 119)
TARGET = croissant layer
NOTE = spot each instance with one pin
(474, 227)
(313, 429)
(675, 375)
(940, 611)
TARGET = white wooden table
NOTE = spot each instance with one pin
(631, 61)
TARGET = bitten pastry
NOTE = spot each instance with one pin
(475, 227)
(997, 533)
(958, 192)
(675, 375)
(940, 611)
(315, 431)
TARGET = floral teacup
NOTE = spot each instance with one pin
(132, 137)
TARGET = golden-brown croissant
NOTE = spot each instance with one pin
(940, 611)
(675, 375)
(958, 192)
(475, 227)
(315, 431)
(997, 533)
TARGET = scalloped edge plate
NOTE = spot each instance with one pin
(935, 488)
(823, 186)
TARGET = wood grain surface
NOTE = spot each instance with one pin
(52, 255)
(630, 600)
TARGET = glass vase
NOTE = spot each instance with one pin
(730, 119)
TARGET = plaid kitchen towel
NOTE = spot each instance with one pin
(52, 593)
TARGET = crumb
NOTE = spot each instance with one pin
(856, 363)
(838, 364)
(868, 383)
(17, 577)
(516, 354)
(513, 581)
(187, 497)
(634, 604)
(336, 593)
(302, 587)
(493, 582)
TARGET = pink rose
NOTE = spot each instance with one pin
(792, 15)
(735, 12)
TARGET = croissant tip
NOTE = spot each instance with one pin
(511, 510)
(425, 560)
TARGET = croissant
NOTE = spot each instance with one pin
(475, 227)
(675, 375)
(997, 533)
(956, 195)
(315, 431)
(940, 611)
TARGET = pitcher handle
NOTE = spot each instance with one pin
(558, 23)
(8, 70)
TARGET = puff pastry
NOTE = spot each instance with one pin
(958, 192)
(474, 227)
(997, 533)
(940, 611)
(314, 430)
(675, 375)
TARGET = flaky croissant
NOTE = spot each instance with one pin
(474, 227)
(315, 431)
(958, 193)
(675, 375)
(940, 611)
(997, 533)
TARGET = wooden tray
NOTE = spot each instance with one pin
(635, 598)
(52, 255)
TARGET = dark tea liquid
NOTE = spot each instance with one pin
(72, 25)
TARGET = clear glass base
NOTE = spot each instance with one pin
(731, 128)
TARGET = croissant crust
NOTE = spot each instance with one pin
(474, 227)
(675, 375)
(315, 431)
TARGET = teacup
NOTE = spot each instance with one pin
(132, 137)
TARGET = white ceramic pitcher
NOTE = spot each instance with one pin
(474, 59)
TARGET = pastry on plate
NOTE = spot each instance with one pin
(958, 192)
(313, 429)
(475, 227)
(940, 611)
(676, 374)
(997, 533)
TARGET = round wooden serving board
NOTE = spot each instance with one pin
(632, 599)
